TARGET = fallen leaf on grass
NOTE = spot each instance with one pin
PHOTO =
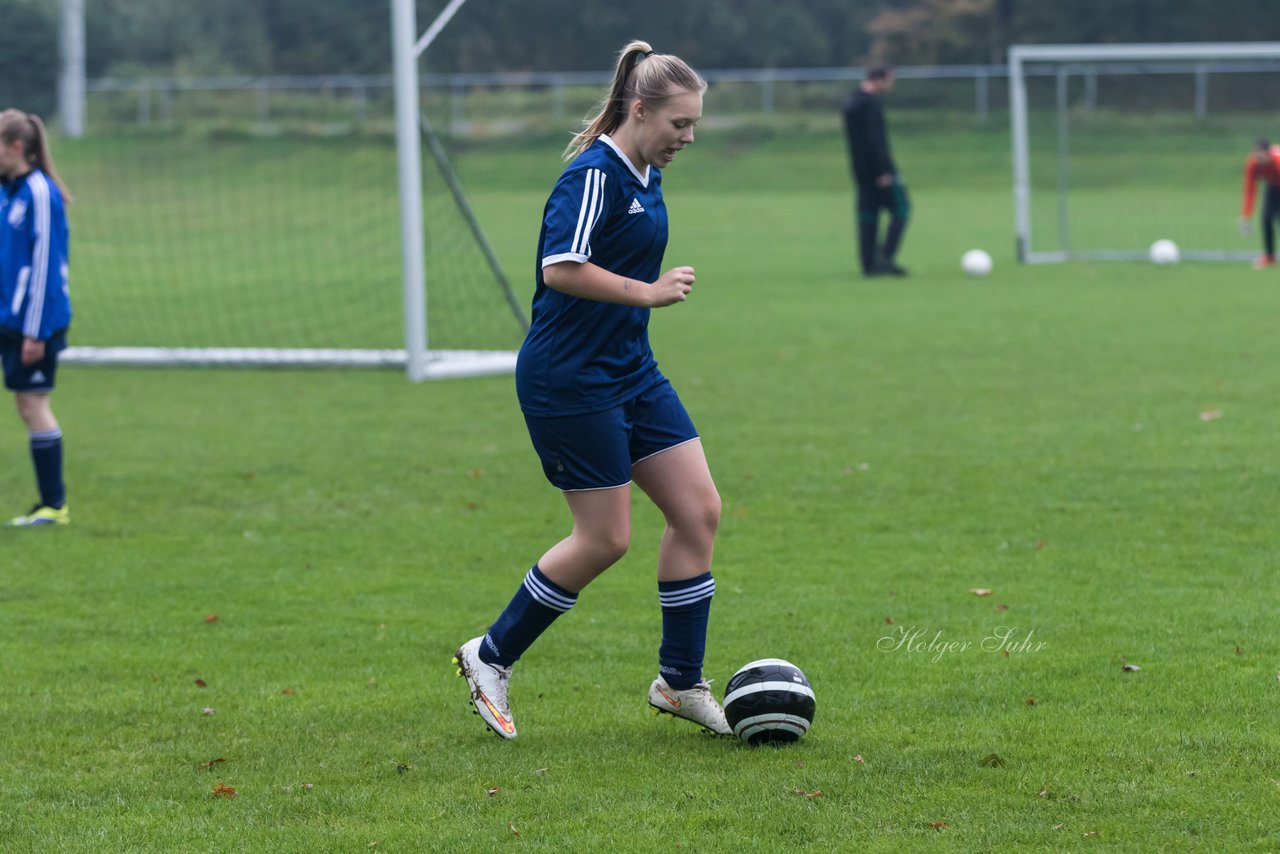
(1210, 415)
(1039, 545)
(1089, 833)
(211, 618)
(1130, 668)
(808, 796)
(288, 692)
(511, 827)
(980, 591)
(200, 683)
(992, 760)
(1239, 651)
(208, 766)
(859, 759)
(207, 711)
(1002, 607)
(1059, 826)
(888, 621)
(223, 791)
(306, 787)
(1031, 701)
(938, 825)
(541, 770)
(493, 791)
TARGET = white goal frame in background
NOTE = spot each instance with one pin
(418, 360)
(1154, 58)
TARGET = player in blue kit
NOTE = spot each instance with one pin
(35, 308)
(600, 413)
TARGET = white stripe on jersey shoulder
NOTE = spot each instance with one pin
(643, 179)
(563, 256)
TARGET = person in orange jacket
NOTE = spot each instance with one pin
(1263, 164)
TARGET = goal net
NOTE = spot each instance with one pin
(279, 227)
(1117, 146)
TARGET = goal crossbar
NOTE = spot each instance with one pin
(435, 364)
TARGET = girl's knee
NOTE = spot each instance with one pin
(701, 519)
(609, 545)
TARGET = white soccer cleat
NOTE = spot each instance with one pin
(488, 684)
(695, 704)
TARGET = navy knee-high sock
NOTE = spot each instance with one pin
(529, 613)
(686, 605)
(46, 455)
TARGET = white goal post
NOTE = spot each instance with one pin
(1084, 64)
(420, 362)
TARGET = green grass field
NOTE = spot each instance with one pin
(268, 571)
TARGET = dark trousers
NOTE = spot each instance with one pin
(871, 200)
(1270, 213)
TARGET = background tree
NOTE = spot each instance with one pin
(28, 57)
(934, 32)
(197, 37)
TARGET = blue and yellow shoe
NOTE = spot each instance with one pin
(41, 515)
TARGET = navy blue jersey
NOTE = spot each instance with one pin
(583, 355)
(34, 301)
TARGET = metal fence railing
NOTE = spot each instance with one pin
(468, 98)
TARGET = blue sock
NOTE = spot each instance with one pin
(534, 607)
(46, 453)
(685, 608)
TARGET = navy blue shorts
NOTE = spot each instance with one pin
(597, 450)
(30, 379)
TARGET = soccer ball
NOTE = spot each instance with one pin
(769, 702)
(1164, 252)
(976, 263)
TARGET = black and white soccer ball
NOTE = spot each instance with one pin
(769, 701)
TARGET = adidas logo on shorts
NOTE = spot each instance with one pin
(636, 207)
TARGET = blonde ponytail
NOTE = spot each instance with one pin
(640, 74)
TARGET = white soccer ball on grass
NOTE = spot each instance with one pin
(975, 263)
(1164, 252)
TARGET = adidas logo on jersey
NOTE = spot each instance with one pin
(636, 207)
(38, 377)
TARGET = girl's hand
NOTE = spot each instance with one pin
(673, 287)
(32, 350)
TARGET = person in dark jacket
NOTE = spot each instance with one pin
(879, 185)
